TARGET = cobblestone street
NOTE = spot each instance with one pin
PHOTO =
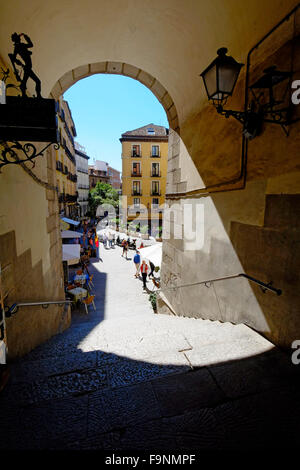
(124, 378)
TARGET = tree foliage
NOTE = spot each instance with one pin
(103, 193)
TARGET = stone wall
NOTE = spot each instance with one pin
(250, 225)
(30, 253)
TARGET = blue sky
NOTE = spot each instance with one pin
(105, 106)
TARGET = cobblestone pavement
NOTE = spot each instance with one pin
(124, 378)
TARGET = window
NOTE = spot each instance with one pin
(136, 169)
(136, 187)
(155, 188)
(136, 151)
(155, 150)
(136, 202)
(155, 169)
(150, 131)
(155, 202)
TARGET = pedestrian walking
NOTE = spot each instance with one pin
(152, 267)
(97, 246)
(144, 270)
(137, 262)
(110, 239)
(104, 239)
(125, 247)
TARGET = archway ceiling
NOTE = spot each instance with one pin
(172, 40)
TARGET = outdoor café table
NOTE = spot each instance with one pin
(82, 278)
(79, 293)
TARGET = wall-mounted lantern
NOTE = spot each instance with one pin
(220, 78)
(23, 118)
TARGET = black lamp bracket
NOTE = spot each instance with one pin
(238, 115)
(9, 155)
(261, 113)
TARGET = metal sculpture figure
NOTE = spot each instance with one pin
(21, 49)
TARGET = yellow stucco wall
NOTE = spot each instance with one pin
(145, 180)
(65, 185)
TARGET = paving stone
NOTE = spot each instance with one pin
(64, 343)
(59, 386)
(127, 372)
(179, 393)
(254, 374)
(192, 430)
(197, 429)
(115, 380)
(219, 353)
(9, 424)
(29, 371)
(106, 441)
(157, 435)
(261, 421)
(173, 359)
(55, 422)
(122, 407)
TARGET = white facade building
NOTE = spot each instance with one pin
(82, 170)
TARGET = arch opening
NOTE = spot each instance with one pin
(127, 70)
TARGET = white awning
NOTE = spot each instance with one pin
(70, 221)
(152, 253)
(70, 234)
(71, 253)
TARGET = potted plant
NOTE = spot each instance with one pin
(152, 299)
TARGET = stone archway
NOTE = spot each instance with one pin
(120, 68)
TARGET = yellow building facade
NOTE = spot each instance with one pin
(65, 162)
(144, 172)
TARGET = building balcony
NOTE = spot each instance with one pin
(71, 197)
(82, 170)
(134, 210)
(155, 156)
(136, 155)
(69, 154)
(136, 193)
(72, 177)
(155, 193)
(155, 174)
(59, 166)
(136, 174)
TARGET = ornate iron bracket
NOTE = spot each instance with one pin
(23, 118)
(239, 115)
(9, 156)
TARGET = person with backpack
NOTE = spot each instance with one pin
(144, 270)
(137, 262)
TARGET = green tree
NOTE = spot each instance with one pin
(103, 193)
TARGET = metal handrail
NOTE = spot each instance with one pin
(15, 307)
(263, 285)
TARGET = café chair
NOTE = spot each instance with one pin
(88, 301)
